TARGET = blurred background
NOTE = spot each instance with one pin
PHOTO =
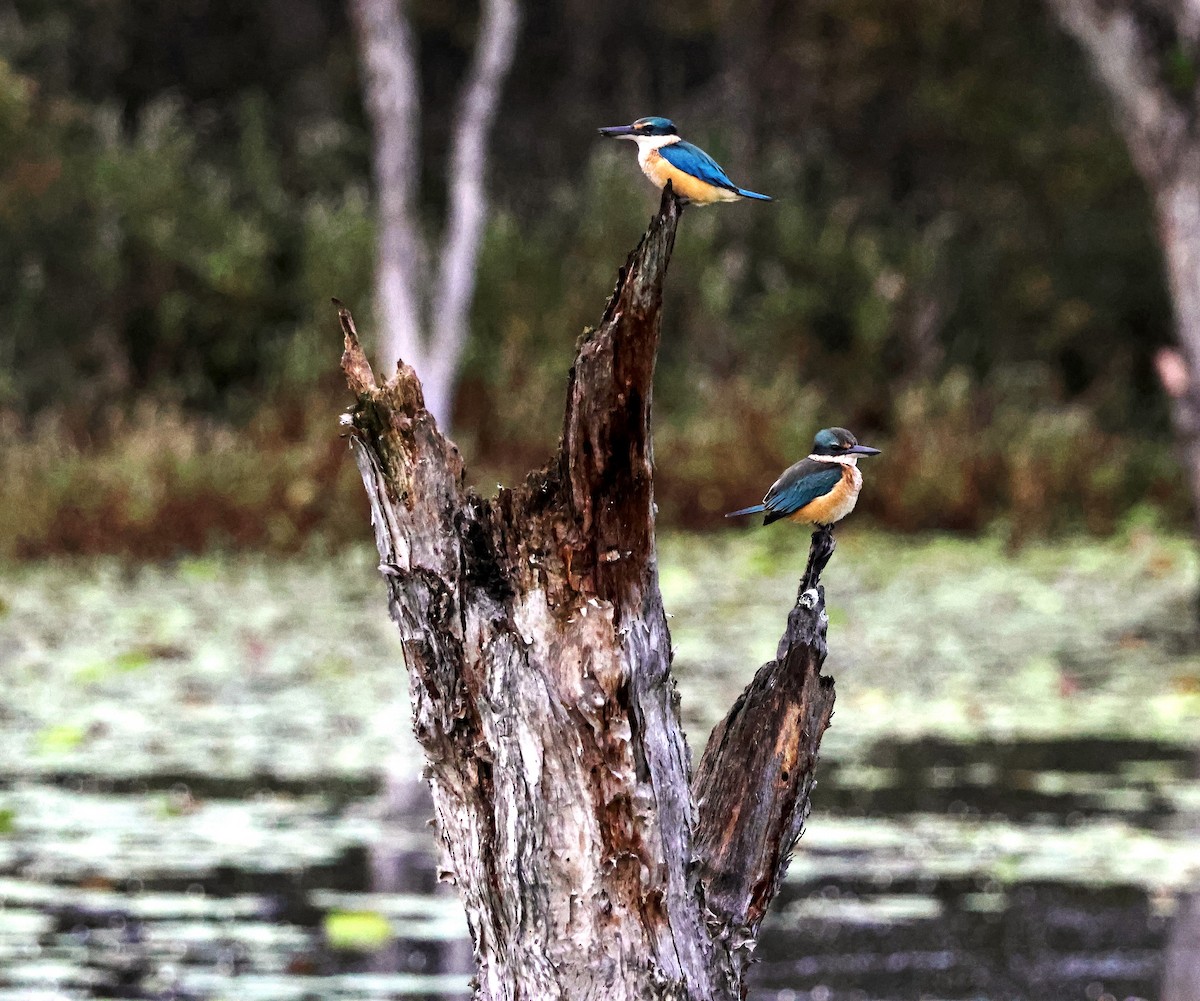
(207, 788)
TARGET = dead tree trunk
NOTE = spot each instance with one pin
(590, 864)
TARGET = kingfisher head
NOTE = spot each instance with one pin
(837, 442)
(644, 128)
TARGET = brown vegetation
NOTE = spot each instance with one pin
(158, 482)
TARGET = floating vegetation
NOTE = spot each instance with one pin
(358, 931)
(199, 761)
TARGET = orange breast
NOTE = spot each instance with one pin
(836, 504)
(659, 170)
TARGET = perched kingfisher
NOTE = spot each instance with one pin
(694, 175)
(818, 490)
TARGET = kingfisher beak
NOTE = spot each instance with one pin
(862, 450)
(617, 131)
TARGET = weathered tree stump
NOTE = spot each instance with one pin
(590, 863)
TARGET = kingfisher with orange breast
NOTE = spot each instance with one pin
(664, 156)
(820, 489)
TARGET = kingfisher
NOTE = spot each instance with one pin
(663, 156)
(818, 490)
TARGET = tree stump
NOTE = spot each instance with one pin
(590, 862)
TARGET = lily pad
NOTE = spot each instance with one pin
(356, 931)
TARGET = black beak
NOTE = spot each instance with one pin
(862, 450)
(615, 131)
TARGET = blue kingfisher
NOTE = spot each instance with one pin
(694, 175)
(820, 489)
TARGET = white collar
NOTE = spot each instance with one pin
(652, 142)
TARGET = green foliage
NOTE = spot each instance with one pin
(144, 263)
(960, 263)
(1180, 70)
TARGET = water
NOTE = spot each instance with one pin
(193, 800)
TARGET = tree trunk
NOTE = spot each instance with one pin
(1181, 965)
(1177, 203)
(539, 662)
(1132, 44)
(429, 332)
(467, 213)
(392, 98)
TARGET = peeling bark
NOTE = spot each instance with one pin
(751, 807)
(539, 663)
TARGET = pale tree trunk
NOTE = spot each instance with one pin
(1181, 968)
(1132, 45)
(416, 326)
(590, 865)
(1181, 981)
(392, 95)
(1181, 965)
(468, 199)
(1178, 207)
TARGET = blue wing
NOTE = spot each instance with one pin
(693, 160)
(801, 484)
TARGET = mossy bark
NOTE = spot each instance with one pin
(539, 661)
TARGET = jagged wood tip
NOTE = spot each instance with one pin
(605, 452)
(357, 369)
(404, 387)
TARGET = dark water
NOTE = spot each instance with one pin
(959, 881)
(1008, 806)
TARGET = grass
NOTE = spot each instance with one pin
(157, 484)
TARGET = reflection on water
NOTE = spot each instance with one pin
(961, 939)
(1181, 975)
(282, 895)
(192, 805)
(1181, 978)
(271, 896)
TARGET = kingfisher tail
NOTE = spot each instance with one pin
(754, 194)
(756, 509)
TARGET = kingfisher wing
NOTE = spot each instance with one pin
(799, 485)
(693, 160)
